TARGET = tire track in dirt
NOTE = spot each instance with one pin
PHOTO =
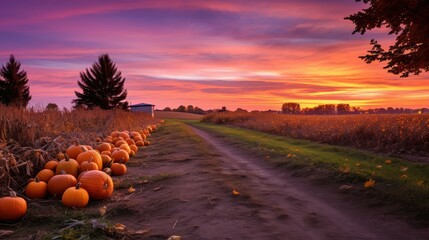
(296, 210)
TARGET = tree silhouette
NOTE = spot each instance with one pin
(13, 87)
(102, 86)
(343, 108)
(291, 108)
(409, 20)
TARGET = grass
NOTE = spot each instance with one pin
(405, 134)
(399, 180)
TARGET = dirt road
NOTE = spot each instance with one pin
(195, 199)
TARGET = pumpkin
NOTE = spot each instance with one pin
(106, 159)
(116, 139)
(69, 166)
(114, 134)
(137, 138)
(125, 147)
(146, 142)
(89, 147)
(124, 135)
(108, 153)
(88, 155)
(120, 142)
(36, 189)
(88, 165)
(104, 147)
(12, 208)
(61, 156)
(76, 197)
(121, 155)
(134, 148)
(118, 169)
(51, 165)
(98, 184)
(98, 139)
(74, 150)
(130, 141)
(45, 175)
(140, 143)
(132, 153)
(60, 183)
(107, 140)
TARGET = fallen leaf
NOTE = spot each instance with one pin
(235, 192)
(102, 210)
(404, 176)
(404, 169)
(378, 166)
(369, 184)
(119, 227)
(131, 189)
(388, 161)
(143, 232)
(174, 237)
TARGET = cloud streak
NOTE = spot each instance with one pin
(249, 54)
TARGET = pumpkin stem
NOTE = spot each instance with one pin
(66, 157)
(110, 163)
(84, 148)
(63, 172)
(12, 193)
(78, 185)
(36, 179)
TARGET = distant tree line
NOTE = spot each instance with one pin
(343, 109)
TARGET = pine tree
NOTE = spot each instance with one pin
(13, 87)
(102, 86)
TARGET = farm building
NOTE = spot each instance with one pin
(143, 107)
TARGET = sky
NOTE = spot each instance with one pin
(246, 54)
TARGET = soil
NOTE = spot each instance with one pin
(184, 186)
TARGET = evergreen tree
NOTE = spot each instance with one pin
(13, 87)
(102, 86)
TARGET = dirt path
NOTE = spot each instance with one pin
(294, 209)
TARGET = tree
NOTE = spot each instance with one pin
(52, 107)
(102, 86)
(409, 20)
(343, 108)
(167, 109)
(291, 108)
(13, 87)
(181, 108)
(190, 109)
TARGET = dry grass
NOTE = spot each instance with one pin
(30, 138)
(392, 134)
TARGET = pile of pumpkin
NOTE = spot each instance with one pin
(81, 174)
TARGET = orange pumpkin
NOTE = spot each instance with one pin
(45, 175)
(88, 165)
(146, 142)
(108, 171)
(88, 147)
(104, 147)
(106, 159)
(12, 208)
(118, 169)
(134, 148)
(36, 189)
(59, 183)
(76, 197)
(108, 153)
(98, 184)
(61, 156)
(130, 141)
(116, 139)
(114, 134)
(69, 166)
(125, 147)
(88, 155)
(74, 150)
(132, 154)
(124, 135)
(98, 139)
(51, 165)
(121, 155)
(140, 143)
(138, 138)
(120, 142)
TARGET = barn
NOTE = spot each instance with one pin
(143, 107)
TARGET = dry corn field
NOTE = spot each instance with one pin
(29, 139)
(387, 133)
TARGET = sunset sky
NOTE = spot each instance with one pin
(239, 53)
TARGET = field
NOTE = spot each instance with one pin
(194, 178)
(404, 134)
